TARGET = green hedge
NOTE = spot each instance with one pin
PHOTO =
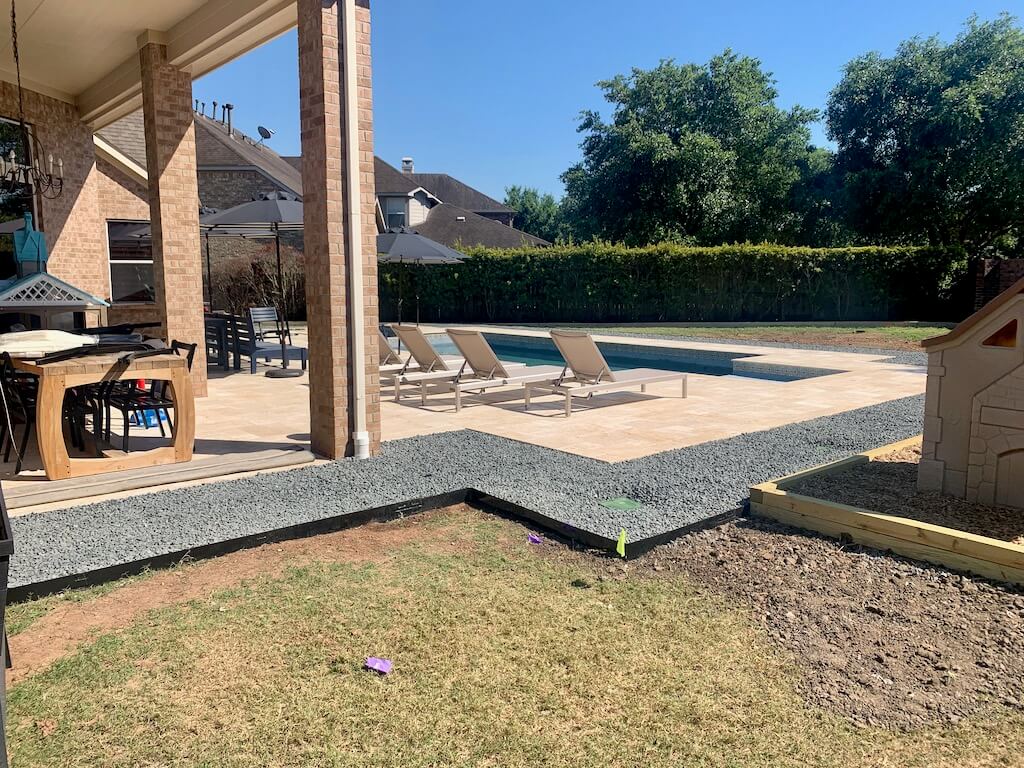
(608, 284)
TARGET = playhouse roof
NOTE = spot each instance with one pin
(44, 291)
(979, 317)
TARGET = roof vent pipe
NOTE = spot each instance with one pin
(214, 115)
(227, 109)
(203, 110)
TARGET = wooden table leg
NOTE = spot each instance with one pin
(184, 437)
(50, 428)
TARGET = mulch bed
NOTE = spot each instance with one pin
(889, 485)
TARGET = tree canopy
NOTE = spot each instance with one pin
(930, 142)
(537, 214)
(699, 154)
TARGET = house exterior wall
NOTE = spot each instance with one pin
(222, 188)
(74, 231)
(966, 380)
(419, 206)
(993, 276)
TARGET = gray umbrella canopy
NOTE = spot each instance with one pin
(407, 246)
(272, 213)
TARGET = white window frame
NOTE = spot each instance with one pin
(401, 201)
(111, 262)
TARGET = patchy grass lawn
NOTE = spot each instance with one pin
(902, 337)
(505, 654)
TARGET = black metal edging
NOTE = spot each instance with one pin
(351, 520)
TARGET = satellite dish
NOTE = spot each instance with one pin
(265, 133)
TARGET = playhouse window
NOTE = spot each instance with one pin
(1004, 337)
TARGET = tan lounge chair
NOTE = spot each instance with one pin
(449, 379)
(591, 374)
(487, 371)
(388, 356)
(422, 351)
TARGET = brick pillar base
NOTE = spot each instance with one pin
(174, 202)
(324, 164)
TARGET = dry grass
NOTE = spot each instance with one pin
(503, 657)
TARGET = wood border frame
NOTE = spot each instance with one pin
(948, 547)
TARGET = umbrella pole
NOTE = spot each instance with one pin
(284, 371)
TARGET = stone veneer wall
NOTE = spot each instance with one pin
(226, 189)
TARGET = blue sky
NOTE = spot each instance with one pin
(490, 92)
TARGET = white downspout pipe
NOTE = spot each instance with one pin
(354, 232)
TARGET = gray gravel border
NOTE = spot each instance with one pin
(676, 489)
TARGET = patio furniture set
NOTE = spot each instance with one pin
(584, 374)
(54, 382)
(260, 335)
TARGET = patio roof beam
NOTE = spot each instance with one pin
(216, 33)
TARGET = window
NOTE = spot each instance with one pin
(131, 263)
(394, 212)
(14, 204)
(1004, 337)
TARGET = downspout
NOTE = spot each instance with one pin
(354, 231)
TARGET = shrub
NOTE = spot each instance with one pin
(597, 282)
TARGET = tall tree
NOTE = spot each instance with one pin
(930, 142)
(692, 153)
(536, 213)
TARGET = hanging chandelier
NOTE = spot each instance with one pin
(16, 174)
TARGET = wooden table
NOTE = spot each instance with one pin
(56, 378)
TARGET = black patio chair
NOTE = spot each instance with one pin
(137, 402)
(19, 396)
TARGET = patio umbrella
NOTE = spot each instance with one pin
(267, 216)
(402, 245)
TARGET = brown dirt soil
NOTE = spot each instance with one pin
(889, 485)
(62, 630)
(882, 640)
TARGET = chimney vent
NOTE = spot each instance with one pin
(227, 109)
(407, 165)
(214, 114)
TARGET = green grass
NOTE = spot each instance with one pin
(890, 336)
(503, 657)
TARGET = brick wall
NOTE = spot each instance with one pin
(226, 189)
(993, 276)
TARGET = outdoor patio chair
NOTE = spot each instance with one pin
(422, 351)
(138, 403)
(20, 394)
(591, 374)
(257, 340)
(488, 372)
(390, 360)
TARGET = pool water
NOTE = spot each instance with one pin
(542, 351)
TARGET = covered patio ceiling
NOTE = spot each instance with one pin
(86, 52)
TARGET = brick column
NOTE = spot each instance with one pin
(173, 200)
(324, 165)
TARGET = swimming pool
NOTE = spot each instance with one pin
(536, 350)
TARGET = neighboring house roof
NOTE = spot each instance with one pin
(214, 149)
(452, 225)
(391, 181)
(983, 314)
(448, 189)
(127, 135)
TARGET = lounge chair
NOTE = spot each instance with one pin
(390, 360)
(487, 371)
(422, 351)
(591, 374)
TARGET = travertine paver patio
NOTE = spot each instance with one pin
(245, 413)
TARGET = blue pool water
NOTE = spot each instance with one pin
(542, 351)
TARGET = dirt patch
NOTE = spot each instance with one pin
(63, 629)
(889, 485)
(879, 639)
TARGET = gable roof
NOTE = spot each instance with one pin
(391, 181)
(452, 225)
(214, 147)
(127, 135)
(978, 317)
(450, 190)
(42, 289)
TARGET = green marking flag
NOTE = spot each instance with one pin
(620, 548)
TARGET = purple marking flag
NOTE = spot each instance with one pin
(383, 666)
(534, 539)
